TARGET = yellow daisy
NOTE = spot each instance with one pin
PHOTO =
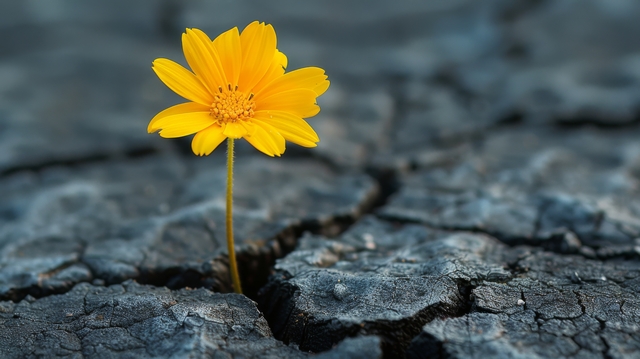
(239, 89)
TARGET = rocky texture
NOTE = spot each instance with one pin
(135, 321)
(160, 219)
(477, 297)
(570, 191)
(555, 306)
(375, 280)
(53, 109)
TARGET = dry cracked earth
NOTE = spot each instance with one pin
(475, 194)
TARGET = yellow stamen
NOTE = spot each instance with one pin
(232, 106)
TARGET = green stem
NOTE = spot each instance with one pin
(233, 265)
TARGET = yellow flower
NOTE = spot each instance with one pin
(239, 89)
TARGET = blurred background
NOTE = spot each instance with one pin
(407, 76)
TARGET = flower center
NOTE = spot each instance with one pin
(231, 105)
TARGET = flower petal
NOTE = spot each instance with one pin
(291, 127)
(299, 101)
(258, 50)
(229, 50)
(272, 132)
(276, 69)
(183, 124)
(312, 78)
(322, 87)
(182, 81)
(266, 139)
(281, 59)
(235, 130)
(203, 59)
(175, 110)
(205, 141)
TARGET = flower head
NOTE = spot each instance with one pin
(239, 89)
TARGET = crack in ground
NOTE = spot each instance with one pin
(554, 244)
(388, 184)
(79, 161)
(249, 264)
(576, 122)
(287, 239)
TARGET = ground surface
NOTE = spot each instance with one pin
(476, 190)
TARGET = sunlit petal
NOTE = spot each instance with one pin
(203, 59)
(228, 47)
(300, 102)
(275, 136)
(183, 124)
(276, 69)
(182, 81)
(267, 140)
(175, 110)
(312, 78)
(235, 130)
(205, 141)
(291, 127)
(258, 50)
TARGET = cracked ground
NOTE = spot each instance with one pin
(475, 194)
